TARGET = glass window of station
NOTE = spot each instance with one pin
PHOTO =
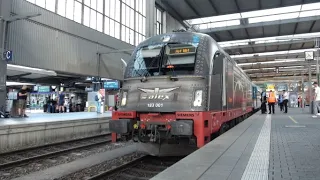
(159, 20)
(121, 19)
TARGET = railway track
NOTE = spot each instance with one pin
(32, 154)
(142, 168)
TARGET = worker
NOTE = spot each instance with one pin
(271, 101)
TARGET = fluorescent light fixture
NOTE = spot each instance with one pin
(31, 70)
(258, 69)
(290, 12)
(268, 62)
(12, 83)
(105, 79)
(271, 53)
(266, 40)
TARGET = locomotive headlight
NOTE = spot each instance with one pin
(197, 98)
(124, 99)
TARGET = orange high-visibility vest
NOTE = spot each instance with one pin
(272, 97)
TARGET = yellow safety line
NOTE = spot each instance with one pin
(293, 120)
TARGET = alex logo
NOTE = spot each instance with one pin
(156, 93)
(155, 96)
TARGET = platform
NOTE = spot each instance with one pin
(39, 129)
(49, 117)
(275, 147)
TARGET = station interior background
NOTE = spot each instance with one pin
(68, 45)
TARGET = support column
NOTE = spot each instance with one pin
(5, 9)
(150, 18)
(310, 92)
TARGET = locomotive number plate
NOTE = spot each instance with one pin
(157, 105)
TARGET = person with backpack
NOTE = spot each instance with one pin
(98, 99)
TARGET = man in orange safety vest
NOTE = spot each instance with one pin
(272, 99)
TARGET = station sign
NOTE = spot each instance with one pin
(7, 55)
(309, 55)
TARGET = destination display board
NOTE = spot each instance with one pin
(182, 50)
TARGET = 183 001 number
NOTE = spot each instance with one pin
(157, 105)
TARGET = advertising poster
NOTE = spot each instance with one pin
(270, 87)
(293, 99)
(282, 86)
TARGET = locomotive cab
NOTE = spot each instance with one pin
(175, 92)
(160, 94)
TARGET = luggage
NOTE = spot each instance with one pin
(4, 113)
(263, 107)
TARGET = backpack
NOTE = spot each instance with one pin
(96, 98)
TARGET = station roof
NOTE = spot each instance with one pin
(268, 39)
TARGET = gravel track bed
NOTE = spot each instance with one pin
(42, 164)
(97, 169)
(34, 144)
(14, 156)
(146, 168)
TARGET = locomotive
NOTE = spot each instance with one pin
(181, 90)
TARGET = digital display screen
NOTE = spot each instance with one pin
(44, 89)
(111, 84)
(182, 50)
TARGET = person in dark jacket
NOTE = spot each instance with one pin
(263, 102)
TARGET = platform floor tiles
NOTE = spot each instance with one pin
(46, 117)
(295, 147)
(264, 147)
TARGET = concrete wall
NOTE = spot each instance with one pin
(171, 23)
(28, 135)
(53, 42)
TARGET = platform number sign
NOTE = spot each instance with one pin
(309, 55)
(7, 55)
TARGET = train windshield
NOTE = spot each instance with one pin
(164, 60)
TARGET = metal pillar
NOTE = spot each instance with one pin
(5, 7)
(150, 18)
(317, 45)
(310, 91)
(303, 95)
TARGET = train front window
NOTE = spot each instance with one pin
(147, 61)
(164, 60)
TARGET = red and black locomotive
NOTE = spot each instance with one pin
(181, 89)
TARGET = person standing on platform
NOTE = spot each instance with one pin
(280, 101)
(22, 101)
(316, 100)
(263, 102)
(271, 101)
(98, 99)
(61, 102)
(285, 100)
